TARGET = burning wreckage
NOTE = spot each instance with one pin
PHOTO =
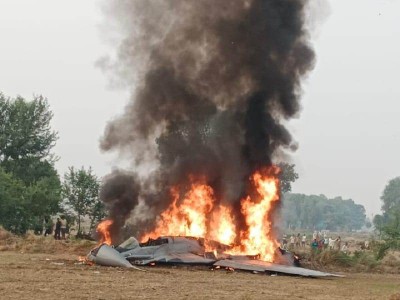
(181, 250)
(177, 235)
(211, 92)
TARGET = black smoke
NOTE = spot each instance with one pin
(120, 194)
(211, 83)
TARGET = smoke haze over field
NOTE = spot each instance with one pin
(211, 82)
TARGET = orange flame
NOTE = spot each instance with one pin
(84, 260)
(223, 226)
(196, 214)
(104, 230)
(258, 239)
(188, 217)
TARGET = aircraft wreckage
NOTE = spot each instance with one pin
(181, 250)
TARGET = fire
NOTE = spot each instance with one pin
(104, 230)
(187, 217)
(197, 213)
(223, 224)
(84, 260)
(258, 238)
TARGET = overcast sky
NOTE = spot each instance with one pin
(348, 131)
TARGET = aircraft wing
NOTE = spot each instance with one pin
(262, 266)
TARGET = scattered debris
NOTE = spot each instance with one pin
(171, 250)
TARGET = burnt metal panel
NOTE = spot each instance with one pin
(262, 266)
(108, 256)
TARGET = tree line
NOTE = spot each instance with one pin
(31, 190)
(317, 212)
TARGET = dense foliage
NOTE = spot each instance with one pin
(80, 191)
(388, 224)
(318, 212)
(29, 183)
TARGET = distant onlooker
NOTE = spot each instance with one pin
(314, 245)
(63, 227)
(320, 244)
(331, 243)
(292, 240)
(284, 242)
(326, 242)
(338, 243)
(297, 240)
(314, 235)
(57, 230)
(303, 240)
(345, 248)
(48, 226)
(366, 244)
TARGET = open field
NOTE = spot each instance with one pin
(59, 276)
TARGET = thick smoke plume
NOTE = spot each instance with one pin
(119, 192)
(211, 84)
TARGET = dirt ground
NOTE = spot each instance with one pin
(60, 276)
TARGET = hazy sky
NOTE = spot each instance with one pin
(348, 131)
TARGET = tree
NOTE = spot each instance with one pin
(13, 204)
(388, 224)
(26, 141)
(390, 233)
(391, 196)
(25, 129)
(81, 191)
(96, 212)
(287, 176)
(319, 212)
(378, 222)
(390, 204)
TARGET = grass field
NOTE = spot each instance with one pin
(60, 276)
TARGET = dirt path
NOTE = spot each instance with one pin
(41, 276)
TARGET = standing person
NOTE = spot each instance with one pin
(320, 244)
(339, 243)
(298, 238)
(366, 244)
(303, 241)
(326, 242)
(314, 235)
(57, 230)
(331, 243)
(49, 226)
(292, 242)
(314, 245)
(284, 242)
(63, 227)
(345, 248)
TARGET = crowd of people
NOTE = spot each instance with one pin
(60, 228)
(318, 241)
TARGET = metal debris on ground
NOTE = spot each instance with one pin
(170, 250)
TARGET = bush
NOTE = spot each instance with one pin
(360, 259)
